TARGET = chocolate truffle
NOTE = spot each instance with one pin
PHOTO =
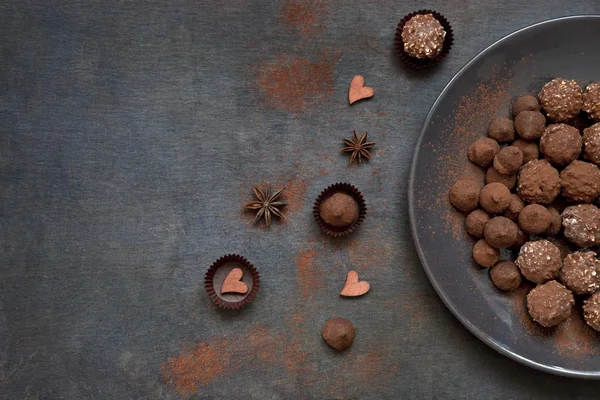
(580, 182)
(491, 176)
(514, 207)
(338, 333)
(494, 198)
(508, 160)
(591, 311)
(581, 224)
(534, 219)
(484, 254)
(500, 232)
(550, 304)
(591, 143)
(555, 222)
(530, 125)
(561, 99)
(591, 100)
(506, 276)
(483, 151)
(525, 103)
(423, 36)
(539, 261)
(530, 149)
(464, 195)
(339, 210)
(581, 272)
(502, 130)
(538, 182)
(561, 144)
(475, 223)
(522, 238)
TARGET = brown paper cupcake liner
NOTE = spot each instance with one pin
(349, 190)
(227, 301)
(418, 63)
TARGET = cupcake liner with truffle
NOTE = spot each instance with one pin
(420, 63)
(219, 272)
(339, 209)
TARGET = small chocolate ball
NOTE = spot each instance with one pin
(580, 182)
(530, 150)
(484, 254)
(591, 100)
(483, 151)
(500, 232)
(338, 333)
(494, 198)
(530, 125)
(591, 142)
(561, 144)
(534, 219)
(582, 224)
(525, 103)
(550, 304)
(502, 130)
(555, 222)
(522, 238)
(508, 160)
(581, 272)
(339, 210)
(506, 276)
(539, 261)
(491, 176)
(561, 99)
(475, 223)
(591, 311)
(514, 207)
(423, 36)
(538, 182)
(464, 195)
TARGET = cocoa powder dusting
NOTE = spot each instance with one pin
(306, 17)
(310, 275)
(375, 252)
(575, 339)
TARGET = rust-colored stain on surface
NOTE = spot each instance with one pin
(306, 17)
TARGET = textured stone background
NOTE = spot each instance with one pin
(130, 136)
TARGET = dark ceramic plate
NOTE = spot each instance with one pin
(517, 64)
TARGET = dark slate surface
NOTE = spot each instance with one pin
(131, 133)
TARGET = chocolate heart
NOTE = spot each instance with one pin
(353, 287)
(358, 90)
(233, 283)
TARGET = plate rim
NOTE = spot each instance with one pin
(413, 228)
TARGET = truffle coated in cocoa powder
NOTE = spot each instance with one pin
(514, 207)
(534, 219)
(530, 150)
(502, 130)
(484, 254)
(561, 144)
(561, 99)
(525, 103)
(591, 100)
(475, 223)
(508, 160)
(550, 304)
(581, 224)
(491, 176)
(339, 210)
(538, 182)
(539, 261)
(581, 272)
(530, 125)
(494, 198)
(338, 333)
(506, 276)
(522, 238)
(591, 143)
(580, 182)
(500, 232)
(464, 195)
(483, 151)
(591, 311)
(555, 222)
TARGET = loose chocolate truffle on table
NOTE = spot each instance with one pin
(514, 207)
(580, 182)
(530, 125)
(484, 254)
(591, 311)
(338, 333)
(339, 210)
(494, 198)
(550, 304)
(475, 223)
(506, 276)
(591, 143)
(491, 176)
(530, 150)
(591, 100)
(483, 151)
(555, 222)
(423, 36)
(561, 99)
(561, 144)
(538, 182)
(500, 232)
(581, 272)
(502, 130)
(508, 160)
(539, 261)
(464, 195)
(525, 103)
(534, 219)
(581, 224)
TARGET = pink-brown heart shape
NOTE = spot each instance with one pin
(233, 283)
(358, 90)
(354, 287)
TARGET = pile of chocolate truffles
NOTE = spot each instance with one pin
(541, 182)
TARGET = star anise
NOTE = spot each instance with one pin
(358, 147)
(266, 204)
